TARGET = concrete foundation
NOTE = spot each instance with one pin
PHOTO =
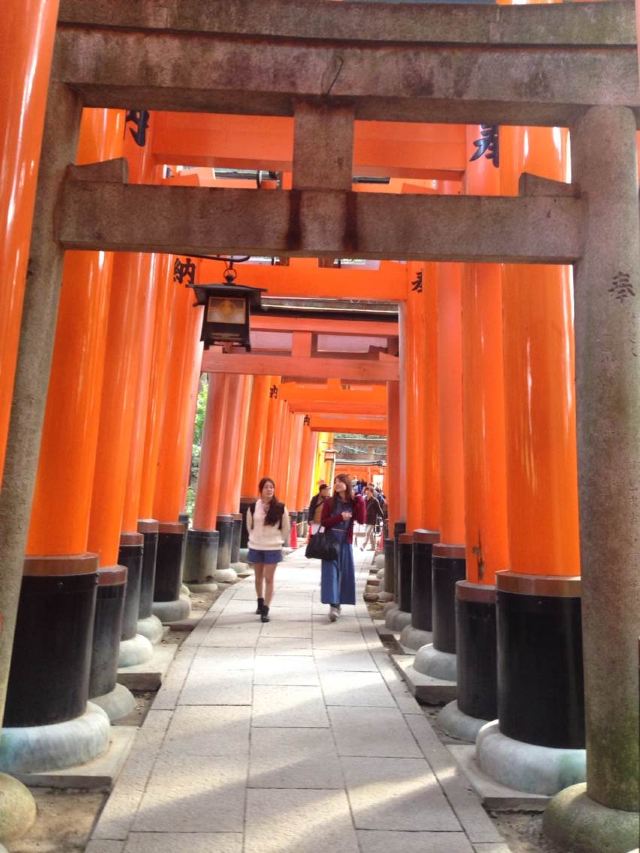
(528, 767)
(458, 724)
(437, 664)
(172, 611)
(577, 823)
(151, 628)
(116, 704)
(425, 688)
(413, 639)
(225, 575)
(17, 809)
(33, 749)
(135, 651)
(149, 675)
(203, 587)
(397, 619)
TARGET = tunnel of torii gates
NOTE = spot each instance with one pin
(513, 489)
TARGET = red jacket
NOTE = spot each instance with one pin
(330, 520)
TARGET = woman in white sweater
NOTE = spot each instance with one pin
(268, 527)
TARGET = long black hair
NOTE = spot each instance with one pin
(275, 512)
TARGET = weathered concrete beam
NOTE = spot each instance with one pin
(316, 223)
(588, 23)
(451, 64)
(258, 364)
(413, 82)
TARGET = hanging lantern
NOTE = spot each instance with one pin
(227, 310)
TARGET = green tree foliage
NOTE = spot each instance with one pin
(201, 408)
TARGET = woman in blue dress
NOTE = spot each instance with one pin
(338, 584)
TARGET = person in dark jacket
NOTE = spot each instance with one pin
(373, 512)
(315, 507)
(338, 584)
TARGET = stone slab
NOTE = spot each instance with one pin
(311, 821)
(191, 793)
(356, 688)
(288, 707)
(378, 732)
(492, 794)
(290, 671)
(175, 842)
(328, 660)
(397, 794)
(97, 775)
(220, 687)
(380, 841)
(209, 730)
(102, 847)
(294, 758)
(149, 675)
(284, 646)
(426, 689)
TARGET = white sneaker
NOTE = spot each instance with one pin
(333, 613)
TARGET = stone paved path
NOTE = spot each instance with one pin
(292, 737)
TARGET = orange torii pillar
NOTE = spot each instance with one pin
(293, 474)
(394, 486)
(228, 519)
(540, 680)
(422, 430)
(236, 485)
(272, 431)
(58, 598)
(438, 659)
(255, 446)
(201, 561)
(28, 32)
(153, 401)
(282, 451)
(185, 355)
(486, 539)
(305, 481)
(114, 508)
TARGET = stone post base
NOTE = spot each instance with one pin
(116, 704)
(17, 809)
(34, 749)
(172, 611)
(458, 724)
(151, 628)
(527, 767)
(136, 650)
(576, 822)
(437, 664)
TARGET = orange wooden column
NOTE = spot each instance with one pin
(293, 473)
(26, 42)
(58, 567)
(175, 436)
(485, 476)
(394, 443)
(163, 332)
(305, 480)
(416, 354)
(256, 443)
(538, 599)
(62, 499)
(243, 430)
(272, 427)
(130, 304)
(231, 470)
(203, 539)
(448, 563)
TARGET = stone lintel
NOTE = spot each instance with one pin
(316, 223)
(534, 185)
(160, 70)
(585, 23)
(114, 171)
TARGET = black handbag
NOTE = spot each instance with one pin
(322, 546)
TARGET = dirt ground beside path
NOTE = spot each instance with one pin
(64, 822)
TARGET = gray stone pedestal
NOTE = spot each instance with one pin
(135, 651)
(31, 749)
(458, 724)
(528, 767)
(117, 704)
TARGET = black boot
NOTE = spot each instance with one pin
(260, 607)
(264, 616)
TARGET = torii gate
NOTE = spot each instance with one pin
(328, 64)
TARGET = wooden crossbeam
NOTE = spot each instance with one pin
(281, 365)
